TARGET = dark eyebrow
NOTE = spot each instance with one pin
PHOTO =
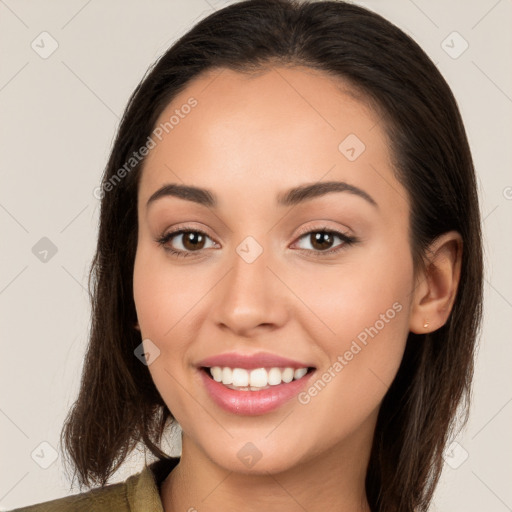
(291, 197)
(305, 192)
(188, 192)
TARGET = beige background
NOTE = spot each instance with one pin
(59, 115)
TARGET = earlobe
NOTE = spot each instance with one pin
(137, 326)
(436, 286)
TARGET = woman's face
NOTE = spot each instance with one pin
(270, 274)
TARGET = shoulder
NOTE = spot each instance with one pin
(110, 497)
(139, 492)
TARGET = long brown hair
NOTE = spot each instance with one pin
(118, 405)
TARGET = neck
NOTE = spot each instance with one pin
(323, 481)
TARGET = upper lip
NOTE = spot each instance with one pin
(250, 361)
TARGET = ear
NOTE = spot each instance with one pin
(137, 326)
(436, 284)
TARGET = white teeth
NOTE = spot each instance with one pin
(287, 375)
(240, 377)
(299, 373)
(226, 376)
(258, 378)
(216, 372)
(274, 376)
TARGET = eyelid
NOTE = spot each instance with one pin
(321, 227)
(167, 235)
(187, 227)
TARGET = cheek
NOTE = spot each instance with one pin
(164, 300)
(367, 313)
(164, 295)
(365, 316)
(368, 287)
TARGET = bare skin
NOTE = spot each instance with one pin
(248, 140)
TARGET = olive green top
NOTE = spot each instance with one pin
(138, 493)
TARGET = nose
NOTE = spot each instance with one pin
(251, 297)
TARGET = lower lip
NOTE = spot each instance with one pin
(253, 403)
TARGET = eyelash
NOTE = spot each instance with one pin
(347, 241)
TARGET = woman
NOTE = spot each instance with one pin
(288, 266)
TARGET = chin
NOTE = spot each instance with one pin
(255, 458)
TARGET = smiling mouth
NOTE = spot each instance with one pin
(256, 379)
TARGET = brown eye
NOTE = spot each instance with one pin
(193, 240)
(322, 240)
(184, 242)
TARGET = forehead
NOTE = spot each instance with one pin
(269, 131)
